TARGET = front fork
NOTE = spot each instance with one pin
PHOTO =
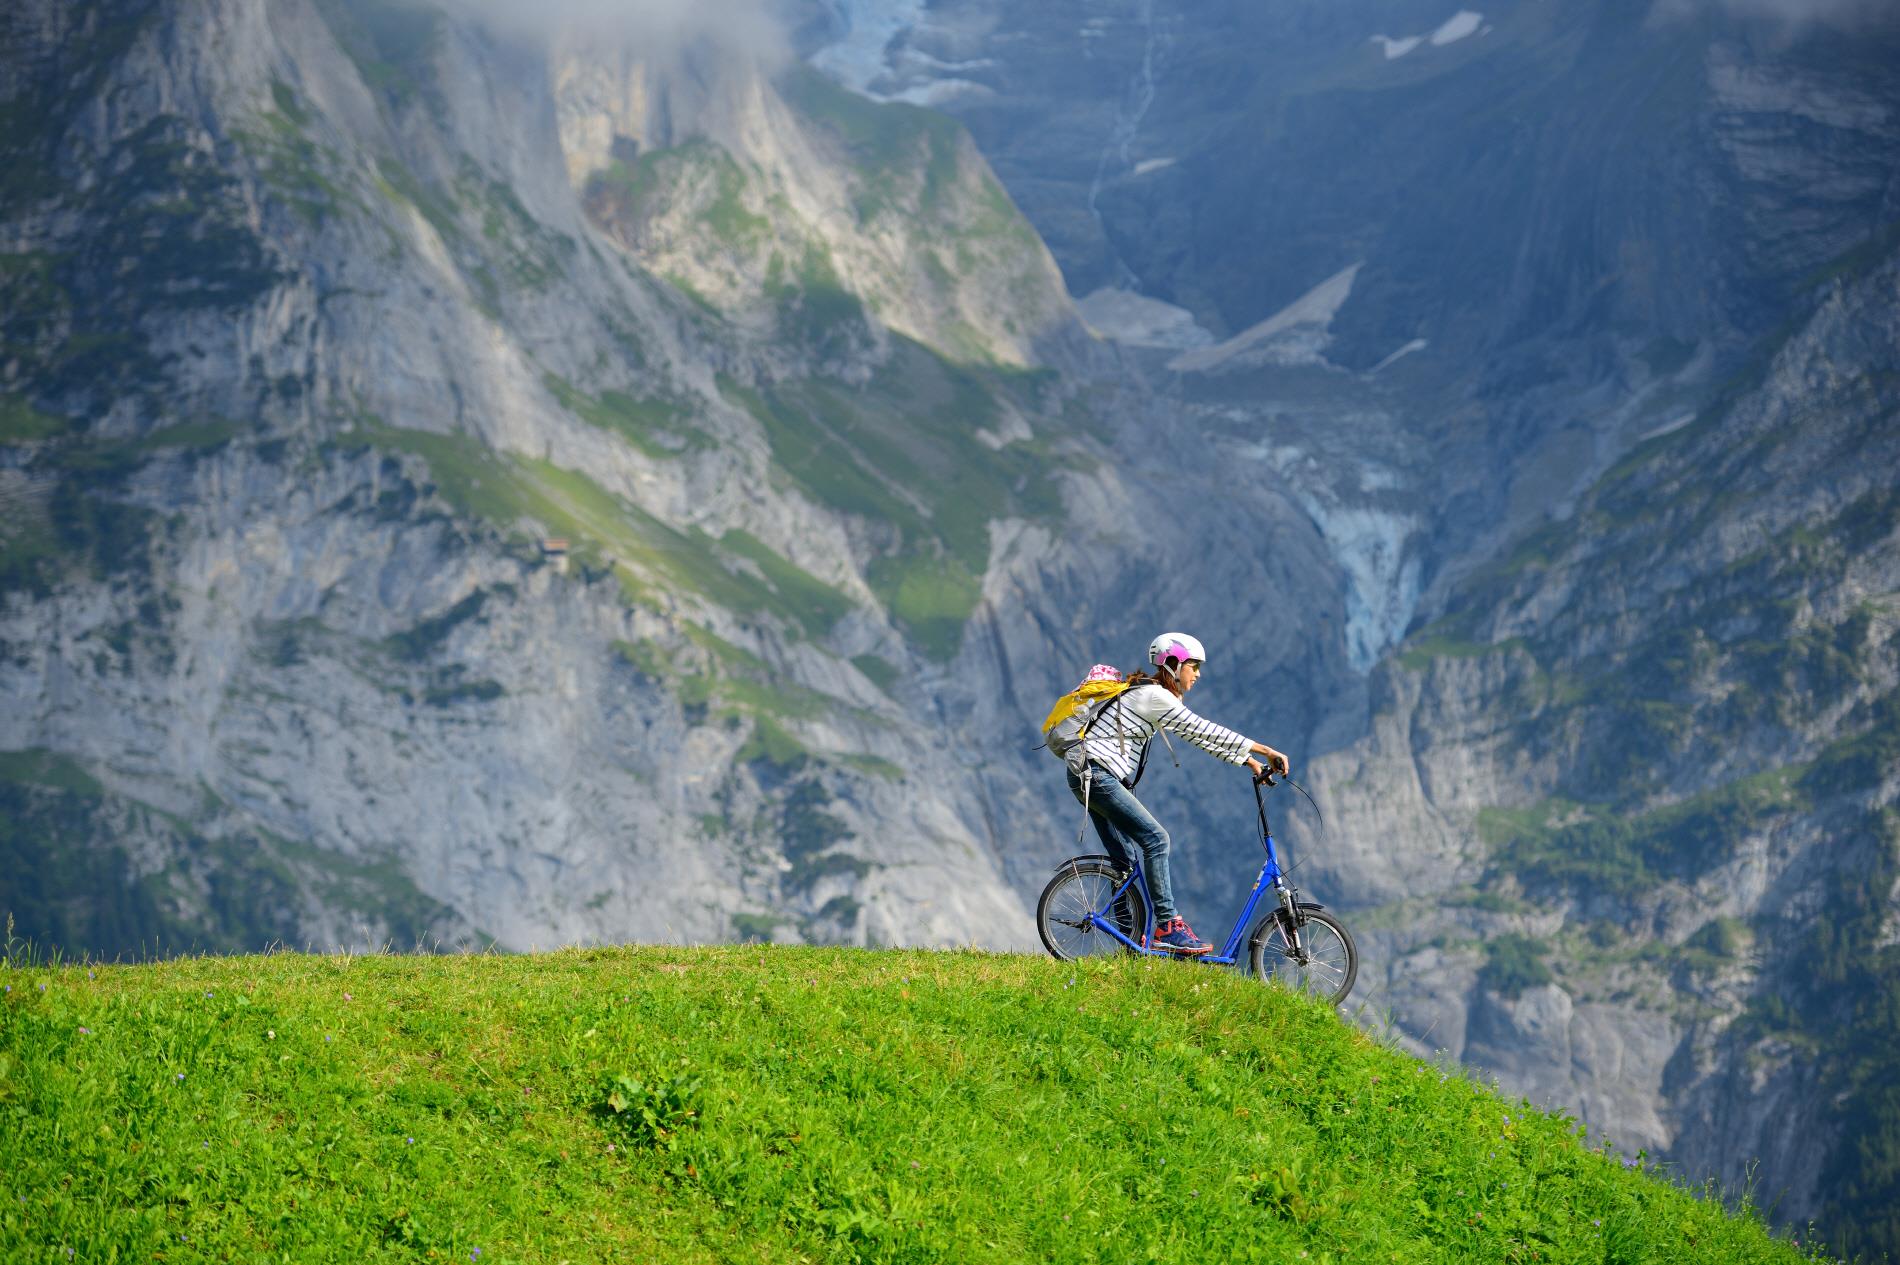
(1290, 921)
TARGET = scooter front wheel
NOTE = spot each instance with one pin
(1317, 958)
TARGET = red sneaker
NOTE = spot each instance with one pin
(1178, 937)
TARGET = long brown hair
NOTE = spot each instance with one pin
(1141, 676)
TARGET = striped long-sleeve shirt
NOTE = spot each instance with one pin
(1117, 737)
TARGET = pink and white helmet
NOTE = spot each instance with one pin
(1176, 646)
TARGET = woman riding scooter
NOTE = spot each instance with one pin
(1104, 767)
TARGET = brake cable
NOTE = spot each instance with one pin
(1271, 779)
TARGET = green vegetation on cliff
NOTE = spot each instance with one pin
(904, 452)
(772, 1104)
(1699, 667)
(391, 43)
(633, 188)
(82, 523)
(933, 446)
(1561, 843)
(737, 573)
(165, 230)
(655, 427)
(892, 144)
(75, 870)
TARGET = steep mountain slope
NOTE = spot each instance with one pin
(1631, 798)
(312, 340)
(1547, 228)
(323, 320)
(1562, 168)
(1537, 312)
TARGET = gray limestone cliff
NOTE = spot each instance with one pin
(1629, 803)
(323, 322)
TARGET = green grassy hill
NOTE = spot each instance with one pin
(771, 1104)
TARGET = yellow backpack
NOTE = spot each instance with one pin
(1069, 720)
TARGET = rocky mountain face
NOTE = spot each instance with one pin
(1549, 227)
(324, 320)
(1571, 330)
(1628, 805)
(462, 487)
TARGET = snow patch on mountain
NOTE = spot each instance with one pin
(1382, 582)
(1359, 513)
(1669, 427)
(1295, 335)
(1460, 25)
(1417, 344)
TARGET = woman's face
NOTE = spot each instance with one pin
(1189, 673)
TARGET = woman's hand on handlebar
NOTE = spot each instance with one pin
(1263, 770)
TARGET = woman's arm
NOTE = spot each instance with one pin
(1169, 713)
(1163, 710)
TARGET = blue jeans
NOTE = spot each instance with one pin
(1125, 828)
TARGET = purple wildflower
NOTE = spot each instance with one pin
(181, 1076)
